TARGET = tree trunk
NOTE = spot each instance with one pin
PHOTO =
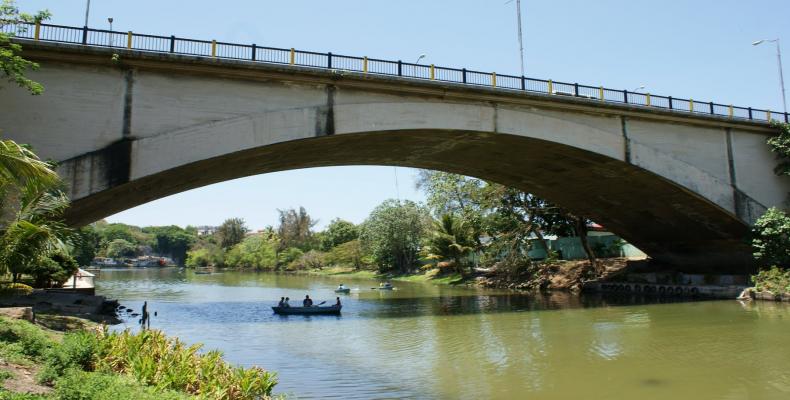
(581, 230)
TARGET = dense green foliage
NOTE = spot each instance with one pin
(231, 232)
(774, 279)
(119, 248)
(771, 238)
(146, 365)
(450, 238)
(295, 229)
(780, 144)
(52, 270)
(12, 64)
(338, 232)
(172, 241)
(392, 234)
(254, 252)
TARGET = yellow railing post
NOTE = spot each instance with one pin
(551, 90)
(433, 76)
(731, 112)
(647, 99)
(293, 56)
(214, 48)
(691, 105)
(365, 65)
(38, 30)
(768, 116)
(600, 93)
(129, 40)
(493, 79)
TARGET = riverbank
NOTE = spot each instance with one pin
(559, 275)
(80, 360)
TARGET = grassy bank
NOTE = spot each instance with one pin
(431, 276)
(40, 363)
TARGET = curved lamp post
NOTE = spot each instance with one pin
(779, 61)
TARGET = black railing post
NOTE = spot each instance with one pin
(463, 75)
(84, 35)
(750, 113)
(172, 43)
(329, 60)
(625, 96)
(670, 102)
(523, 83)
(400, 67)
(711, 108)
(254, 49)
(787, 118)
(576, 90)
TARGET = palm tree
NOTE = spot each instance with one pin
(31, 209)
(21, 167)
(450, 239)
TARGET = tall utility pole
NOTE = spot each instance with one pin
(520, 36)
(779, 63)
(87, 11)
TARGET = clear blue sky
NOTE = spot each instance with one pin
(699, 49)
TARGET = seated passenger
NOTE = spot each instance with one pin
(285, 303)
(307, 302)
(282, 301)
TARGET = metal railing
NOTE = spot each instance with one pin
(252, 52)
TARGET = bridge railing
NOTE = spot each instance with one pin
(252, 52)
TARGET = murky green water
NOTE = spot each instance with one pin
(432, 342)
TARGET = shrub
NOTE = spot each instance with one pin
(15, 289)
(78, 351)
(774, 279)
(771, 242)
(311, 260)
(21, 338)
(168, 364)
(80, 385)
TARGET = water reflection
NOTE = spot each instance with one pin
(424, 341)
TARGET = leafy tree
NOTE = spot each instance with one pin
(231, 232)
(771, 238)
(289, 255)
(254, 252)
(450, 239)
(457, 195)
(311, 260)
(338, 232)
(53, 270)
(12, 65)
(392, 234)
(780, 144)
(85, 244)
(295, 229)
(35, 231)
(348, 254)
(172, 240)
(119, 248)
(204, 256)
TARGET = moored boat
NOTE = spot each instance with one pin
(331, 310)
(343, 290)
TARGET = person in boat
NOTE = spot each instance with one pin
(341, 287)
(285, 303)
(338, 302)
(307, 302)
(282, 301)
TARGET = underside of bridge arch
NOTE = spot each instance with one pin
(676, 227)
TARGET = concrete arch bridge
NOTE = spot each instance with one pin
(130, 129)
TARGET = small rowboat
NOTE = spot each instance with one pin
(331, 310)
(343, 290)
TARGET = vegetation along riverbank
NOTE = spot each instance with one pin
(91, 363)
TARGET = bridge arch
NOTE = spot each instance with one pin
(161, 124)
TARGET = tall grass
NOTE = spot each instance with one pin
(168, 364)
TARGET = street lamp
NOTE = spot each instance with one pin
(638, 89)
(110, 21)
(87, 11)
(779, 61)
(419, 58)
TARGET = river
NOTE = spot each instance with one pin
(426, 341)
